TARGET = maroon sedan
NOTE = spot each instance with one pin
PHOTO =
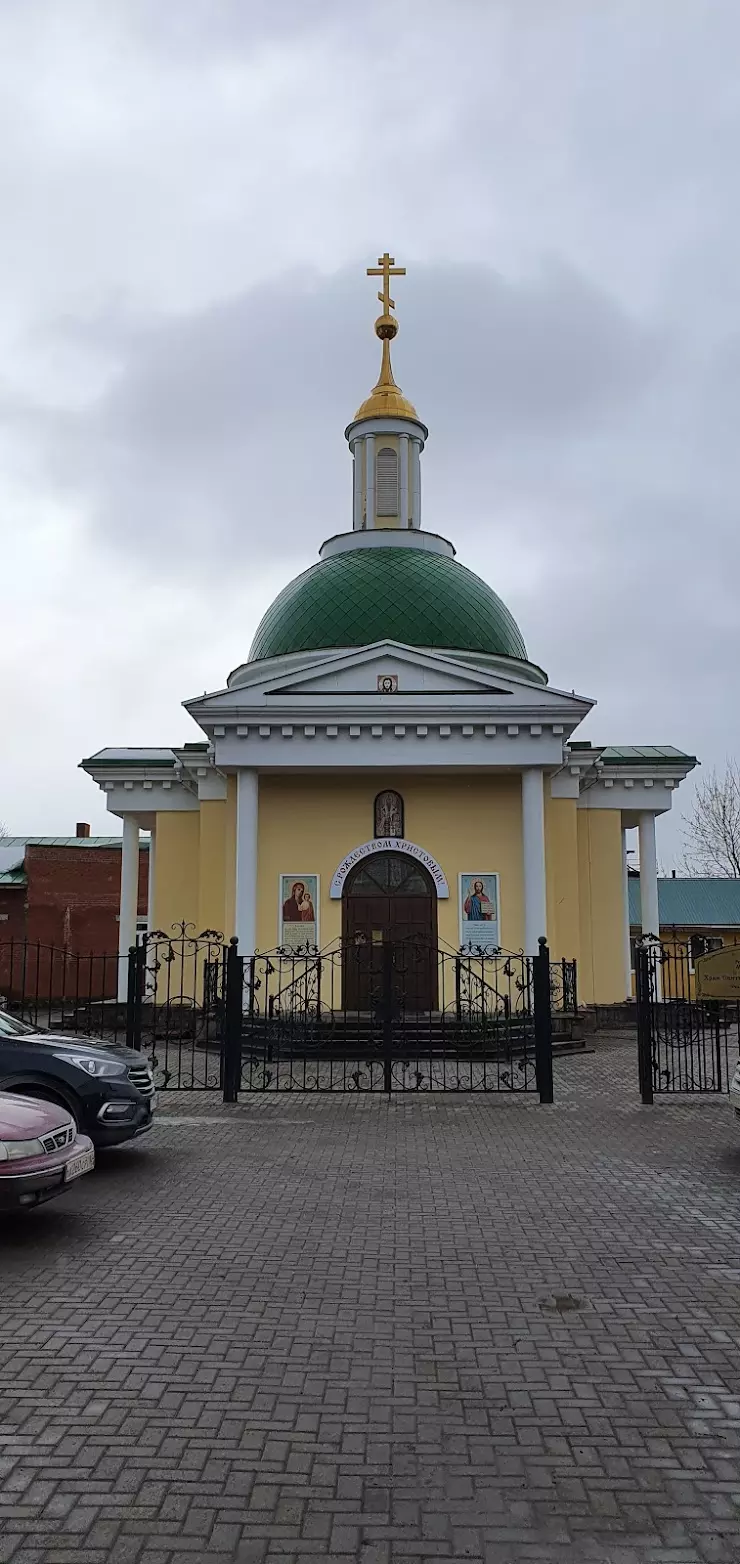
(41, 1151)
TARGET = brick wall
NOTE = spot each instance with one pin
(73, 894)
(12, 912)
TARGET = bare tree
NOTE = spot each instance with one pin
(712, 834)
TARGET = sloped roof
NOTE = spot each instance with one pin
(13, 851)
(634, 754)
(691, 903)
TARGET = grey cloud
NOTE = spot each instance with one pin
(170, 432)
(232, 419)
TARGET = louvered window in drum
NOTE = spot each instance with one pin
(386, 482)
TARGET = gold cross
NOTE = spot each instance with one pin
(386, 268)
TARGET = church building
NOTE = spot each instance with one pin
(389, 762)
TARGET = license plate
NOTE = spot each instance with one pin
(79, 1165)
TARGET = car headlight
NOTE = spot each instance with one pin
(13, 1150)
(91, 1066)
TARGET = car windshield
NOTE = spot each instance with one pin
(10, 1026)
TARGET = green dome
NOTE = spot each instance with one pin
(395, 594)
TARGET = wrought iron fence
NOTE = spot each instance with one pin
(685, 1044)
(394, 1018)
(59, 990)
(564, 987)
(165, 999)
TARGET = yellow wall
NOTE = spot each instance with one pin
(601, 977)
(212, 875)
(561, 847)
(309, 824)
(176, 869)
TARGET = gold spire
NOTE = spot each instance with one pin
(386, 399)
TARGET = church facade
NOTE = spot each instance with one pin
(389, 763)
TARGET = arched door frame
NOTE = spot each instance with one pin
(389, 844)
(381, 916)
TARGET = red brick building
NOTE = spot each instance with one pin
(65, 891)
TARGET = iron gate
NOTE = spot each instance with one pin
(684, 1044)
(489, 1031)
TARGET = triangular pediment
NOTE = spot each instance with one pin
(413, 672)
(372, 676)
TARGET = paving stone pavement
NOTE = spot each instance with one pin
(333, 1328)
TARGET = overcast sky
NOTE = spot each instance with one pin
(190, 194)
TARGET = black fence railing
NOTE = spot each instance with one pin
(685, 1044)
(408, 1016)
(403, 1017)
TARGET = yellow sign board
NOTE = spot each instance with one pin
(718, 974)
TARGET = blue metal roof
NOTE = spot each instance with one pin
(689, 904)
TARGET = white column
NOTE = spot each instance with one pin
(247, 800)
(404, 475)
(369, 480)
(648, 875)
(649, 886)
(358, 453)
(533, 844)
(415, 483)
(151, 878)
(626, 917)
(129, 899)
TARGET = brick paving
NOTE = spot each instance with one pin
(330, 1328)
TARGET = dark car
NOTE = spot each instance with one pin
(41, 1152)
(107, 1088)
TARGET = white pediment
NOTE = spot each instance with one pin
(412, 672)
(349, 687)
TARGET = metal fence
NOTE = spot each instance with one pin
(390, 1018)
(399, 1017)
(684, 1044)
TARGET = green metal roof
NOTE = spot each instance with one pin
(396, 594)
(21, 842)
(635, 754)
(643, 754)
(131, 757)
(13, 877)
(689, 904)
(13, 852)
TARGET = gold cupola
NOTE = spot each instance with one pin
(386, 436)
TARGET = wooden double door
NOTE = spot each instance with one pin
(390, 902)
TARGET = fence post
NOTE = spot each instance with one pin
(542, 1021)
(644, 1037)
(232, 1042)
(387, 1012)
(136, 967)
